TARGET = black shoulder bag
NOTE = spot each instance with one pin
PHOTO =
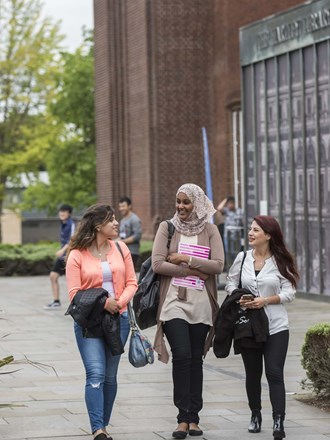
(146, 298)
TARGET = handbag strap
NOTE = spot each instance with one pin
(171, 230)
(119, 248)
(240, 272)
(130, 311)
(131, 314)
(131, 317)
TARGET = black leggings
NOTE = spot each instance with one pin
(274, 354)
(187, 345)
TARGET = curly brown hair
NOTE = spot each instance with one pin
(95, 216)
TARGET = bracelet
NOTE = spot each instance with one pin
(266, 301)
(190, 261)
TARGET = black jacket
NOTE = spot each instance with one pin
(87, 310)
(248, 329)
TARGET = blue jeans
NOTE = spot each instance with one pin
(101, 374)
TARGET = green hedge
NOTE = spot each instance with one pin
(316, 359)
(38, 259)
(28, 259)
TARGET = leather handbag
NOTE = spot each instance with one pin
(146, 298)
(140, 352)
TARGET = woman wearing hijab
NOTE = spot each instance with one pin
(187, 310)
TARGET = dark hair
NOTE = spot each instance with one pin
(284, 259)
(65, 207)
(230, 199)
(125, 199)
(96, 215)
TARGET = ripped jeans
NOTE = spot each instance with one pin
(101, 374)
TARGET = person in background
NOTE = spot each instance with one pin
(130, 231)
(270, 274)
(232, 228)
(186, 314)
(66, 232)
(94, 261)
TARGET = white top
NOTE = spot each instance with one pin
(196, 309)
(269, 282)
(107, 278)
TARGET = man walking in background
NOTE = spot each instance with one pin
(233, 228)
(130, 228)
(67, 230)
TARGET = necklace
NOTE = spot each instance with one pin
(100, 251)
(260, 261)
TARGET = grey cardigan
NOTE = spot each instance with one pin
(210, 236)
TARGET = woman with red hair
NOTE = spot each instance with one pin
(270, 273)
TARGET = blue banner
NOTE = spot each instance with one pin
(207, 166)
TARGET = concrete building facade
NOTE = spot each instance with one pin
(285, 63)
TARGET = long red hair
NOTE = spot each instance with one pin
(284, 259)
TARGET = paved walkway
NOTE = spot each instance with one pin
(47, 406)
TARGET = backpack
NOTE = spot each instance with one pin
(146, 298)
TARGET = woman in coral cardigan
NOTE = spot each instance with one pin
(95, 261)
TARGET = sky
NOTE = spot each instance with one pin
(74, 14)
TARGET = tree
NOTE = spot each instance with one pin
(29, 48)
(70, 161)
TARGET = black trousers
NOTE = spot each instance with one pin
(187, 345)
(274, 354)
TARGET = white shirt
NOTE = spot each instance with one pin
(107, 283)
(269, 282)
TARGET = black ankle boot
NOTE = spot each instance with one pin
(278, 428)
(255, 423)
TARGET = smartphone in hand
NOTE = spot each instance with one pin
(247, 297)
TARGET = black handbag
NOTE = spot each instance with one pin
(140, 352)
(146, 298)
(226, 319)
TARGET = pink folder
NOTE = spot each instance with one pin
(193, 250)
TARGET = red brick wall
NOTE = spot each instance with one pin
(182, 58)
(153, 95)
(102, 99)
(137, 110)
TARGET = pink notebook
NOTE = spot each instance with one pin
(193, 250)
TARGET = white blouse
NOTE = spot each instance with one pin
(269, 282)
(107, 283)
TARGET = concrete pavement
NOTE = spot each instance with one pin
(46, 406)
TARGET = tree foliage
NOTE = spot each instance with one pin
(29, 48)
(70, 161)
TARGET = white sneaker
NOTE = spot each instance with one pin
(53, 305)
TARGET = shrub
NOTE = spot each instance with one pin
(38, 259)
(28, 259)
(316, 359)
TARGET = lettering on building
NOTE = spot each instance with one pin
(313, 22)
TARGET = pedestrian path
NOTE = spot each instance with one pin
(50, 406)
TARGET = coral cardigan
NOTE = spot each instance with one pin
(84, 271)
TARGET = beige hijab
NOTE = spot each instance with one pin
(201, 214)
